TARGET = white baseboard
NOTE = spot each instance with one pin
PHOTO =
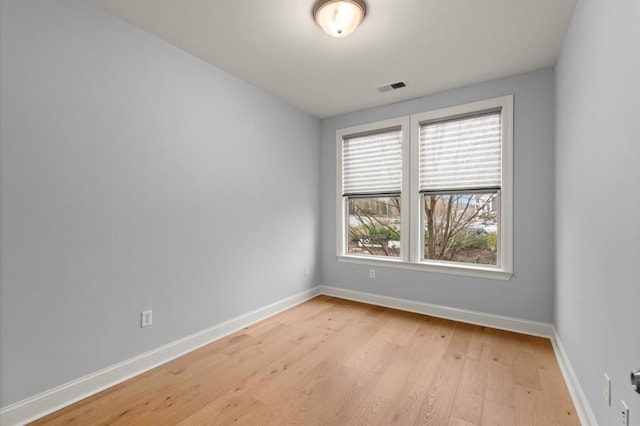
(472, 317)
(578, 396)
(61, 396)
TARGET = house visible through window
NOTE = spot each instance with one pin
(432, 191)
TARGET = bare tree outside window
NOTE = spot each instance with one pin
(461, 227)
(457, 227)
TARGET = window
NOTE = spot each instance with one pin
(371, 186)
(431, 191)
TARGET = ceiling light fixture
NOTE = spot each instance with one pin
(339, 18)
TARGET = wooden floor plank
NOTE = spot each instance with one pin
(559, 407)
(370, 412)
(406, 408)
(437, 406)
(494, 414)
(469, 397)
(525, 370)
(335, 361)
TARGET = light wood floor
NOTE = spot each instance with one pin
(332, 361)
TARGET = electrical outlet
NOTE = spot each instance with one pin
(372, 273)
(606, 389)
(625, 414)
(306, 271)
(146, 318)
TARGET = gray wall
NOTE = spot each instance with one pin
(135, 176)
(597, 203)
(529, 294)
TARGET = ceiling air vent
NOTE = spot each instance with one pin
(392, 86)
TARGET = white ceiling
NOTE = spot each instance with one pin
(433, 45)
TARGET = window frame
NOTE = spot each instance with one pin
(342, 202)
(411, 244)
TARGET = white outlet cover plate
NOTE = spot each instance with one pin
(146, 318)
(625, 414)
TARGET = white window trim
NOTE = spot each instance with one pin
(341, 217)
(410, 205)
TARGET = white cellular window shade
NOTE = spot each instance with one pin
(461, 153)
(372, 163)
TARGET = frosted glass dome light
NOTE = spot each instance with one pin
(339, 18)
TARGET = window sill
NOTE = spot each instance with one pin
(475, 271)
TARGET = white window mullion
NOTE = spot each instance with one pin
(415, 216)
(406, 231)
